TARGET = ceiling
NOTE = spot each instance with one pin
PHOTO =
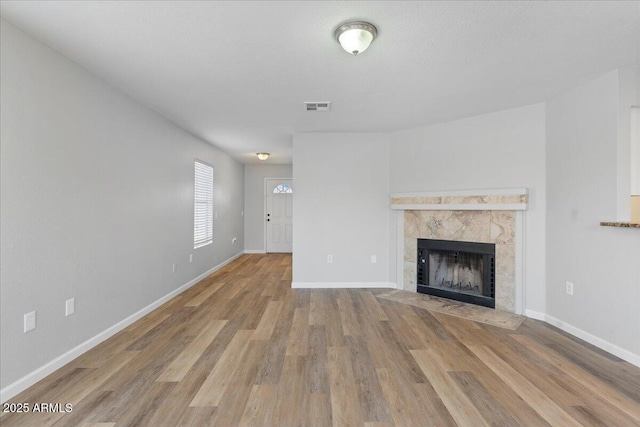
(236, 74)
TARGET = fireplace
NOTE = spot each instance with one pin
(463, 271)
(493, 216)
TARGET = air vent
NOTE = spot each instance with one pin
(318, 106)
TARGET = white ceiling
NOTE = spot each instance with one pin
(236, 74)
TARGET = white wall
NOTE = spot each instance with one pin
(341, 207)
(97, 204)
(498, 150)
(582, 185)
(254, 223)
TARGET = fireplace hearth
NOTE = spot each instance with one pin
(463, 271)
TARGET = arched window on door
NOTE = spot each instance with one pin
(283, 188)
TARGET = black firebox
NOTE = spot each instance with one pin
(463, 271)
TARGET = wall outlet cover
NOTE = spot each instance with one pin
(569, 287)
(70, 306)
(29, 321)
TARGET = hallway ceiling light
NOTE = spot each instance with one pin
(356, 36)
(262, 156)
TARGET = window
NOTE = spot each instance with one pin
(202, 205)
(283, 188)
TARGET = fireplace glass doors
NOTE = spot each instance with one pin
(463, 271)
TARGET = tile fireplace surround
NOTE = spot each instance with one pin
(485, 216)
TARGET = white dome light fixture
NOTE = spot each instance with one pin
(356, 36)
(262, 156)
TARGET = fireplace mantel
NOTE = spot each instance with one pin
(487, 216)
(507, 199)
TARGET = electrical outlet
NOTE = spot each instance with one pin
(569, 287)
(190, 258)
(374, 259)
(175, 268)
(329, 259)
(29, 321)
(69, 307)
(241, 213)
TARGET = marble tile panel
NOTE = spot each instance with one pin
(432, 224)
(505, 293)
(435, 226)
(468, 200)
(505, 260)
(452, 225)
(411, 221)
(416, 200)
(520, 198)
(507, 199)
(410, 276)
(476, 226)
(503, 224)
(410, 249)
(426, 224)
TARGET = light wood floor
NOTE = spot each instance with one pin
(243, 348)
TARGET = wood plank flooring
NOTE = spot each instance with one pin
(242, 348)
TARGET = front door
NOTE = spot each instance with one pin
(279, 215)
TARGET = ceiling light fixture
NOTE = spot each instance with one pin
(262, 156)
(356, 36)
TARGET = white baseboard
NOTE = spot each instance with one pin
(346, 285)
(255, 251)
(623, 354)
(535, 315)
(30, 379)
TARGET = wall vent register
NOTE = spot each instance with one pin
(317, 106)
(463, 271)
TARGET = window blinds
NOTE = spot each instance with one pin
(203, 205)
